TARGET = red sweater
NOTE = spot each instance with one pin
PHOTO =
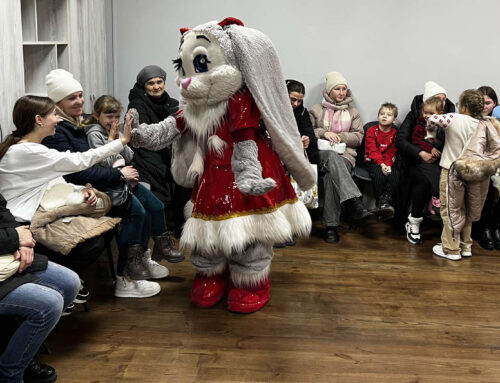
(380, 147)
(418, 137)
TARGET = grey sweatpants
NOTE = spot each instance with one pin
(254, 260)
(339, 185)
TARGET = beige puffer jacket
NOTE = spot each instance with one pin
(352, 138)
(468, 177)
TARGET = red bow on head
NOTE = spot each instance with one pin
(223, 23)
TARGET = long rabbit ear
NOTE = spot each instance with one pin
(230, 21)
(184, 30)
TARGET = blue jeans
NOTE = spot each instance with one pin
(147, 214)
(40, 304)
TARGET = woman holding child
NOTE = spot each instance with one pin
(412, 155)
(336, 120)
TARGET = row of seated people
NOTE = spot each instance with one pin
(40, 130)
(400, 162)
(42, 165)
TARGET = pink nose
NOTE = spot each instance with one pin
(185, 83)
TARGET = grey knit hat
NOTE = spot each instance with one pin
(150, 72)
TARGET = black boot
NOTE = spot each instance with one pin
(385, 210)
(358, 210)
(496, 238)
(38, 372)
(486, 240)
(332, 234)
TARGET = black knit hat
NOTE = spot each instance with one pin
(150, 72)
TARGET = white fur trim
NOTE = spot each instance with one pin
(188, 209)
(235, 234)
(74, 198)
(197, 166)
(219, 269)
(203, 121)
(217, 145)
(249, 280)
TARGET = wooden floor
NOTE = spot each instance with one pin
(371, 309)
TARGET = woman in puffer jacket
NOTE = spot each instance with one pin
(336, 120)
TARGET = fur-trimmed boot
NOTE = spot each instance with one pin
(135, 266)
(207, 291)
(248, 299)
(164, 249)
(248, 293)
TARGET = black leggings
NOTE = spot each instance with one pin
(420, 191)
(382, 183)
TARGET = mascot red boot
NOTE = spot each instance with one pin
(230, 82)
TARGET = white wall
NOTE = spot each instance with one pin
(386, 49)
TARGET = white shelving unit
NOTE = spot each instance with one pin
(45, 31)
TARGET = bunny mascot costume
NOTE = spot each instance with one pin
(234, 129)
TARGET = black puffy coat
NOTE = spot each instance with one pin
(407, 152)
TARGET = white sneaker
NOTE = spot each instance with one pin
(438, 250)
(127, 288)
(466, 253)
(156, 270)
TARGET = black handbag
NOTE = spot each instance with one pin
(120, 195)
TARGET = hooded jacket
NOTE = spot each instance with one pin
(406, 150)
(468, 177)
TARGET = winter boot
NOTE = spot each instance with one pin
(358, 210)
(208, 291)
(248, 299)
(487, 242)
(135, 266)
(331, 234)
(413, 230)
(385, 209)
(164, 249)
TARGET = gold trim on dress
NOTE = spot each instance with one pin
(244, 213)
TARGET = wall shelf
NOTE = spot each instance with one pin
(45, 34)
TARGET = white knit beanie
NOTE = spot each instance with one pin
(61, 83)
(431, 89)
(333, 79)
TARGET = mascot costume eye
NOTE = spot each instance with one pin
(234, 130)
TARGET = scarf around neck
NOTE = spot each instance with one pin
(75, 121)
(336, 118)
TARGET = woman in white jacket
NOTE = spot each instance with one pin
(27, 167)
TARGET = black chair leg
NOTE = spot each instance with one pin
(110, 255)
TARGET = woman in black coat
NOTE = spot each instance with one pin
(419, 187)
(152, 102)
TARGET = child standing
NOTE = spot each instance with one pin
(380, 154)
(458, 128)
(146, 209)
(433, 146)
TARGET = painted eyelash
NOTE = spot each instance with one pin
(177, 63)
